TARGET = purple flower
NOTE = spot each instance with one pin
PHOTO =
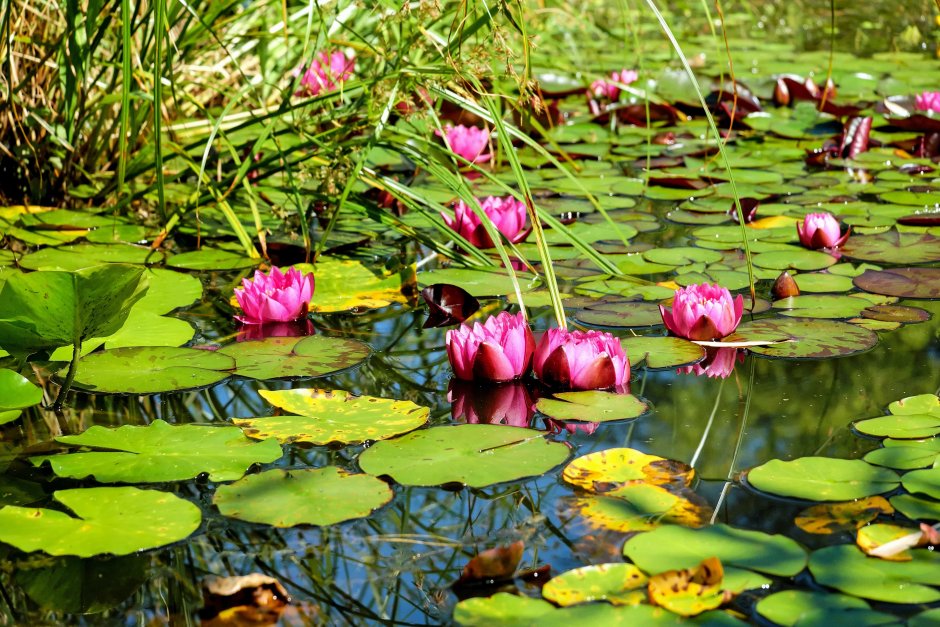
(703, 312)
(506, 213)
(581, 360)
(500, 349)
(275, 297)
(820, 230)
(326, 73)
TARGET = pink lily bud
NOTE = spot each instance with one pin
(820, 230)
(275, 297)
(468, 142)
(581, 360)
(506, 213)
(703, 312)
(500, 349)
(610, 89)
(326, 73)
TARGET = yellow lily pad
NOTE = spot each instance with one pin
(690, 591)
(610, 469)
(346, 285)
(618, 583)
(829, 518)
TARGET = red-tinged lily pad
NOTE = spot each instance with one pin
(902, 282)
(896, 314)
(894, 247)
(810, 339)
(448, 304)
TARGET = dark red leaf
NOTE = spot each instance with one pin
(748, 208)
(448, 304)
(855, 137)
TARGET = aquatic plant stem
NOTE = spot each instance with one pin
(708, 426)
(721, 144)
(69, 377)
(737, 446)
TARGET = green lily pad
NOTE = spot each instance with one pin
(894, 247)
(820, 282)
(478, 282)
(282, 357)
(661, 352)
(169, 290)
(623, 315)
(80, 256)
(211, 259)
(849, 617)
(143, 328)
(914, 199)
(151, 370)
(83, 586)
(905, 426)
(636, 507)
(160, 452)
(789, 606)
(119, 233)
(848, 570)
(923, 482)
(794, 260)
(117, 521)
(895, 314)
(326, 416)
(825, 306)
(672, 548)
(681, 255)
(920, 404)
(822, 478)
(916, 508)
(591, 406)
(902, 457)
(929, 618)
(310, 496)
(48, 309)
(476, 455)
(901, 282)
(501, 610)
(812, 339)
(618, 583)
(16, 392)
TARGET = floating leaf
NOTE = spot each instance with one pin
(901, 282)
(824, 306)
(208, 258)
(477, 282)
(310, 496)
(150, 370)
(916, 508)
(672, 547)
(871, 538)
(81, 256)
(905, 426)
(501, 610)
(829, 518)
(796, 259)
(347, 284)
(160, 452)
(613, 468)
(628, 314)
(48, 309)
(639, 507)
(619, 584)
(894, 247)
(16, 392)
(283, 357)
(591, 406)
(902, 457)
(923, 482)
(786, 608)
(822, 478)
(689, 591)
(848, 570)
(661, 352)
(812, 339)
(326, 416)
(474, 455)
(920, 404)
(119, 521)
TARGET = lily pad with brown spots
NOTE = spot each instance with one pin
(810, 339)
(618, 584)
(902, 282)
(894, 247)
(610, 469)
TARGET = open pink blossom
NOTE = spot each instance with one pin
(928, 101)
(505, 404)
(718, 363)
(468, 142)
(500, 349)
(820, 230)
(275, 297)
(326, 73)
(506, 213)
(580, 360)
(610, 89)
(703, 312)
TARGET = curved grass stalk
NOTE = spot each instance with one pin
(721, 144)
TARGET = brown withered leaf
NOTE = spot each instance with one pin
(491, 565)
(256, 599)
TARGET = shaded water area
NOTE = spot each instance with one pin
(806, 371)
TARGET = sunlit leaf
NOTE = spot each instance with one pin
(149, 370)
(873, 537)
(689, 591)
(591, 406)
(822, 478)
(619, 584)
(845, 568)
(610, 469)
(661, 352)
(346, 284)
(811, 339)
(286, 357)
(829, 518)
(905, 426)
(788, 607)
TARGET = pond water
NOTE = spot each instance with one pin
(396, 561)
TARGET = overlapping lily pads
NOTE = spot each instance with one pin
(150, 370)
(119, 521)
(309, 496)
(476, 455)
(809, 339)
(160, 452)
(289, 357)
(848, 570)
(662, 352)
(901, 282)
(326, 416)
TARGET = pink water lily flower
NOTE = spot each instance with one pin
(506, 213)
(820, 230)
(275, 297)
(468, 142)
(326, 73)
(928, 101)
(703, 312)
(581, 360)
(500, 349)
(610, 89)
